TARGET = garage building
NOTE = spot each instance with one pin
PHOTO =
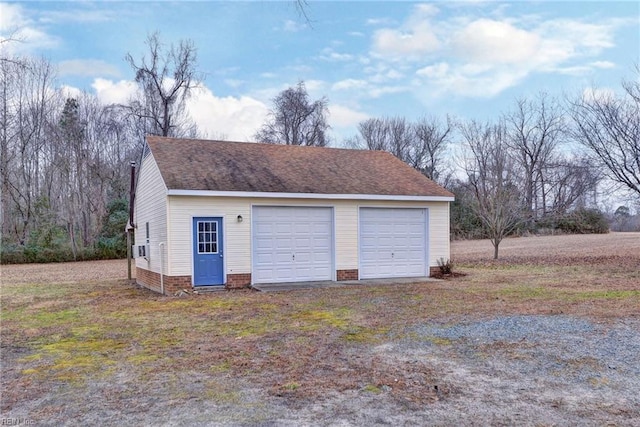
(234, 214)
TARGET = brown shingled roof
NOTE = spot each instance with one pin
(189, 164)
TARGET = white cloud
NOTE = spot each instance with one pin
(293, 26)
(235, 118)
(17, 26)
(88, 67)
(71, 92)
(341, 116)
(602, 64)
(394, 75)
(426, 9)
(314, 86)
(367, 88)
(438, 71)
(474, 56)
(330, 55)
(378, 91)
(495, 42)
(234, 83)
(580, 34)
(11, 17)
(349, 84)
(380, 21)
(109, 92)
(602, 94)
(418, 40)
(415, 38)
(78, 15)
(471, 80)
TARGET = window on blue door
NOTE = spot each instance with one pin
(207, 237)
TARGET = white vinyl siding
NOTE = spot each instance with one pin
(237, 236)
(150, 206)
(346, 235)
(438, 232)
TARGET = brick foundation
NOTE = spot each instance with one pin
(347, 275)
(241, 280)
(172, 284)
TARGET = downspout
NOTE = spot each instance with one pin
(132, 190)
(161, 247)
(130, 227)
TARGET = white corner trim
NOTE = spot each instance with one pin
(257, 194)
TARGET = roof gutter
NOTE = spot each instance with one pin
(268, 195)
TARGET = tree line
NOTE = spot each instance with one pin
(536, 168)
(65, 157)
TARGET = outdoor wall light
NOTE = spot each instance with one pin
(239, 218)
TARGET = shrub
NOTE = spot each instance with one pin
(584, 221)
(445, 266)
(12, 254)
(111, 247)
(37, 254)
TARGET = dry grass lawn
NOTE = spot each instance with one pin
(80, 343)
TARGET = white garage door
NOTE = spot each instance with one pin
(292, 244)
(393, 243)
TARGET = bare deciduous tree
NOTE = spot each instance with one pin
(295, 120)
(489, 167)
(608, 127)
(421, 145)
(568, 184)
(432, 138)
(391, 134)
(166, 78)
(63, 159)
(535, 128)
(28, 102)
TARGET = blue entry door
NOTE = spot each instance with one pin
(208, 265)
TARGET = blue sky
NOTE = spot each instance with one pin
(370, 59)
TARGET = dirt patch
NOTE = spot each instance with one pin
(65, 272)
(545, 336)
(582, 246)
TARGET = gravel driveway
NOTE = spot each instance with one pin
(527, 370)
(516, 370)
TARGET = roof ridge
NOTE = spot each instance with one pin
(266, 144)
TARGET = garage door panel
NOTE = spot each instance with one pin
(323, 259)
(303, 257)
(264, 244)
(264, 258)
(320, 228)
(322, 243)
(301, 244)
(282, 258)
(281, 244)
(392, 242)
